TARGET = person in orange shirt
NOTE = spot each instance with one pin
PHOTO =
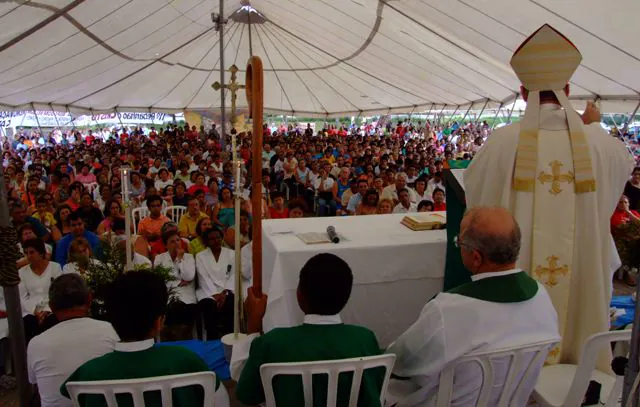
(151, 226)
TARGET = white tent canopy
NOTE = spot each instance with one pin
(321, 57)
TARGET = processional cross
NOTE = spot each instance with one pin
(556, 177)
(549, 275)
(233, 87)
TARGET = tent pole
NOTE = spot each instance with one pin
(440, 114)
(73, 121)
(482, 111)
(467, 113)
(452, 115)
(37, 120)
(54, 115)
(223, 114)
(117, 115)
(613, 119)
(513, 107)
(429, 112)
(411, 114)
(633, 115)
(9, 280)
(493, 125)
(250, 36)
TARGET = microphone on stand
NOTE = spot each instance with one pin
(333, 236)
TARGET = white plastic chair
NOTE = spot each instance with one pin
(566, 385)
(90, 187)
(137, 388)
(174, 212)
(138, 214)
(527, 359)
(332, 368)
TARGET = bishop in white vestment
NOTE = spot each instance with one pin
(561, 180)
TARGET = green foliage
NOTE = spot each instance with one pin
(100, 274)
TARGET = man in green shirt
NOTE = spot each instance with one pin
(136, 305)
(323, 291)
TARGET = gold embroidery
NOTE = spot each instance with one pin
(553, 356)
(556, 177)
(549, 275)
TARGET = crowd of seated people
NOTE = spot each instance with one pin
(65, 197)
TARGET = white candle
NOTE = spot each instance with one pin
(127, 218)
(238, 275)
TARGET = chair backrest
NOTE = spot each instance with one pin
(91, 187)
(527, 359)
(138, 214)
(174, 212)
(588, 357)
(331, 368)
(137, 387)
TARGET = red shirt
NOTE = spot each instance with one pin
(193, 188)
(440, 206)
(274, 214)
(621, 217)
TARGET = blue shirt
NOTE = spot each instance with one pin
(62, 249)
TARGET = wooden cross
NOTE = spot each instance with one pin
(233, 86)
(556, 177)
(549, 275)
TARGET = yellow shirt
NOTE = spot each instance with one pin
(187, 225)
(48, 221)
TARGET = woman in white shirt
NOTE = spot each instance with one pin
(79, 258)
(182, 309)
(35, 279)
(215, 284)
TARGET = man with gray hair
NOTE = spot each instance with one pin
(55, 354)
(501, 308)
(391, 191)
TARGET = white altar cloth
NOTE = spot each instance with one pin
(396, 270)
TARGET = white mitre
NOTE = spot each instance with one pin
(546, 61)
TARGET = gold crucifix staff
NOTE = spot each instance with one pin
(233, 87)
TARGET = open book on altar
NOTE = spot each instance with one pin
(425, 220)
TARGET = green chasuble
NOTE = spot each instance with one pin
(455, 273)
(306, 343)
(510, 288)
(155, 361)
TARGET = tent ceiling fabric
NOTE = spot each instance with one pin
(321, 57)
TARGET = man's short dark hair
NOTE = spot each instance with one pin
(68, 291)
(37, 244)
(75, 215)
(297, 204)
(325, 283)
(134, 302)
(119, 224)
(153, 198)
(637, 169)
(424, 203)
(208, 232)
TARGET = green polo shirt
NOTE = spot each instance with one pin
(137, 360)
(306, 343)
